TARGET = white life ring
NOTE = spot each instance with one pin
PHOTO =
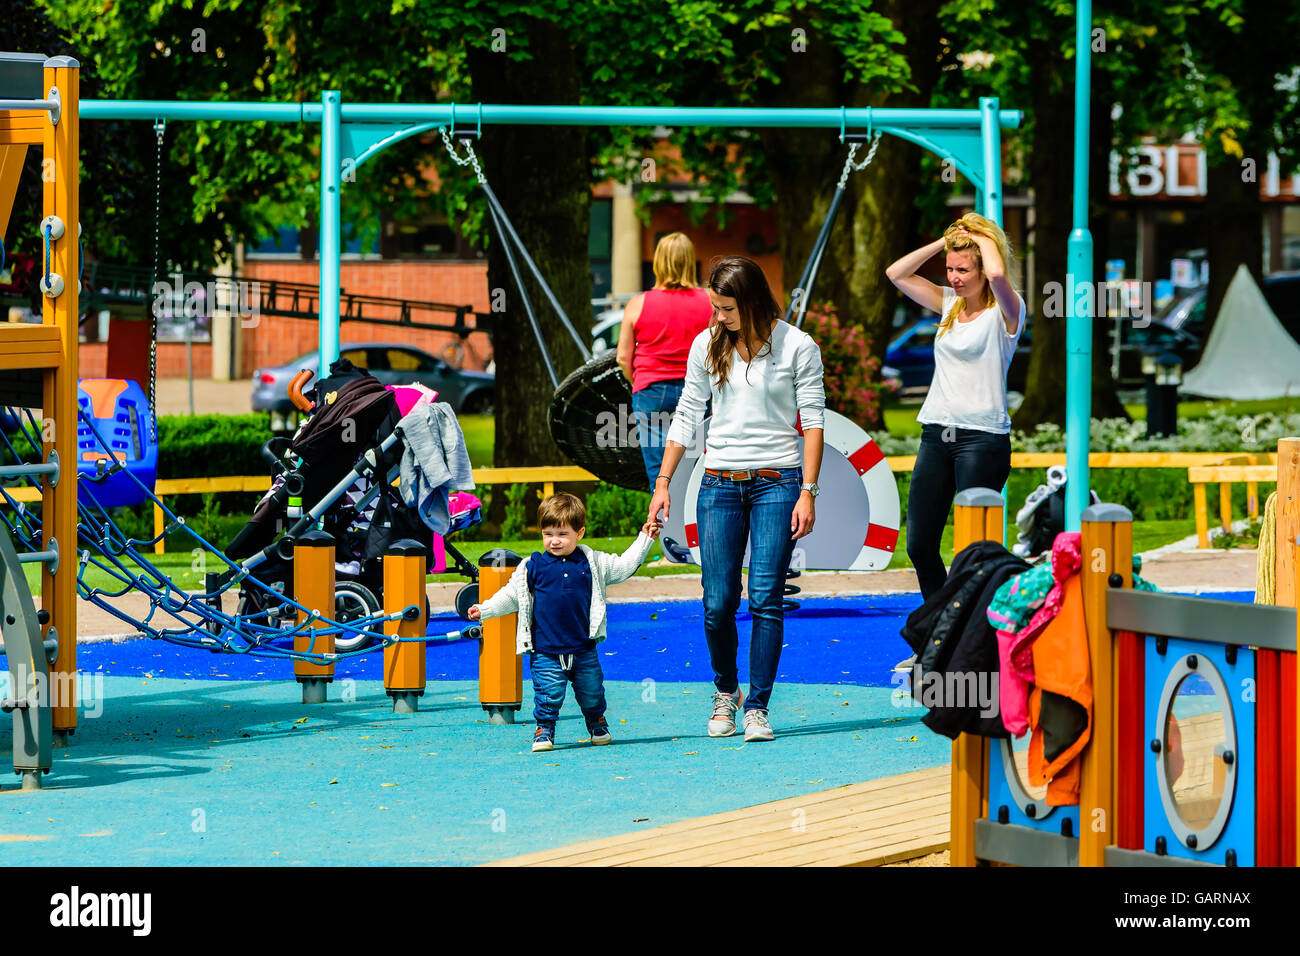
(859, 497)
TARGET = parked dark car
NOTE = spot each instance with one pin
(1281, 291)
(471, 392)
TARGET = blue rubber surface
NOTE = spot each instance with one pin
(848, 640)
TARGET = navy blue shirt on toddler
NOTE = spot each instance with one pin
(561, 602)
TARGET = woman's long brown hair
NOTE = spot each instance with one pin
(741, 279)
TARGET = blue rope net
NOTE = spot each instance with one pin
(189, 619)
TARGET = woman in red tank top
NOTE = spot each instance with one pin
(658, 328)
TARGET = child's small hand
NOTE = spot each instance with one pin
(474, 613)
(651, 528)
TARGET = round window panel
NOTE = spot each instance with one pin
(1015, 766)
(1196, 764)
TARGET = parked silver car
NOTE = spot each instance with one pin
(470, 392)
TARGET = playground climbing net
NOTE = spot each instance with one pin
(190, 619)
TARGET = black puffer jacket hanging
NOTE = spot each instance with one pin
(956, 669)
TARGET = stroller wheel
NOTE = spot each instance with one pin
(466, 598)
(353, 601)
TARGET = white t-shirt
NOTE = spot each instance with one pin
(969, 388)
(752, 423)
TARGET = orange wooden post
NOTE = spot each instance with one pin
(405, 564)
(1107, 543)
(62, 157)
(313, 588)
(500, 669)
(977, 516)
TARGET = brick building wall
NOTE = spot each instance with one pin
(92, 360)
(276, 340)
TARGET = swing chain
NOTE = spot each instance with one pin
(471, 158)
(851, 167)
(159, 128)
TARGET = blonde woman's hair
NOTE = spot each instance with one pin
(674, 262)
(953, 241)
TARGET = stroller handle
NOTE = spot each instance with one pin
(296, 396)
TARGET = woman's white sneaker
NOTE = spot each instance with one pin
(723, 721)
(756, 726)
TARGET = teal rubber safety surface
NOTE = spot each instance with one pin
(174, 772)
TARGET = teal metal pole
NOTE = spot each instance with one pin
(857, 118)
(1079, 303)
(330, 228)
(991, 201)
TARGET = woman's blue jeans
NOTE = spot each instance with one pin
(729, 513)
(652, 408)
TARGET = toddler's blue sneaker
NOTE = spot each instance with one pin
(543, 739)
(600, 733)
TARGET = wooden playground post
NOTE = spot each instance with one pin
(977, 516)
(405, 563)
(61, 190)
(1107, 557)
(500, 668)
(313, 588)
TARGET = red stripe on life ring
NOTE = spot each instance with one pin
(693, 536)
(878, 536)
(866, 457)
(798, 424)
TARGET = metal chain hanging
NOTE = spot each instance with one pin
(471, 158)
(852, 167)
(798, 307)
(159, 127)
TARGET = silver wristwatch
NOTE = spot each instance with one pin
(811, 487)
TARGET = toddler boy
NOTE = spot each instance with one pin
(559, 596)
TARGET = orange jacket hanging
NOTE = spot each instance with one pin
(1060, 704)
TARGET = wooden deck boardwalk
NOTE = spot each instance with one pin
(864, 824)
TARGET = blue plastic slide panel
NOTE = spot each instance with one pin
(120, 415)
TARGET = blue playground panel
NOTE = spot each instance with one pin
(1195, 699)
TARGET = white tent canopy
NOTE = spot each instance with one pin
(1249, 354)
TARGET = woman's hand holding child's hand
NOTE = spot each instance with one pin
(651, 528)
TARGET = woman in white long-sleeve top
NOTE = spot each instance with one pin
(764, 375)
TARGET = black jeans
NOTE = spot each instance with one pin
(968, 459)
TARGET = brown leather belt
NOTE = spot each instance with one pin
(744, 475)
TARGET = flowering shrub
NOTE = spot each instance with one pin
(851, 367)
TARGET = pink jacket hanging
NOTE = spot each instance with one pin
(1015, 649)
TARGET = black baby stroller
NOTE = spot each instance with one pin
(319, 477)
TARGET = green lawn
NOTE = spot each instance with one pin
(1278, 406)
(479, 431)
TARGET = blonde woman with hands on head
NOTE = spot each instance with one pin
(965, 427)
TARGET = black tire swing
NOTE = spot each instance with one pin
(593, 397)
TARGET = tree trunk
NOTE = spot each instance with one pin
(1105, 398)
(542, 175)
(1053, 136)
(1235, 223)
(878, 210)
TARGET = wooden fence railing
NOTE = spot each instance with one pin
(1217, 464)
